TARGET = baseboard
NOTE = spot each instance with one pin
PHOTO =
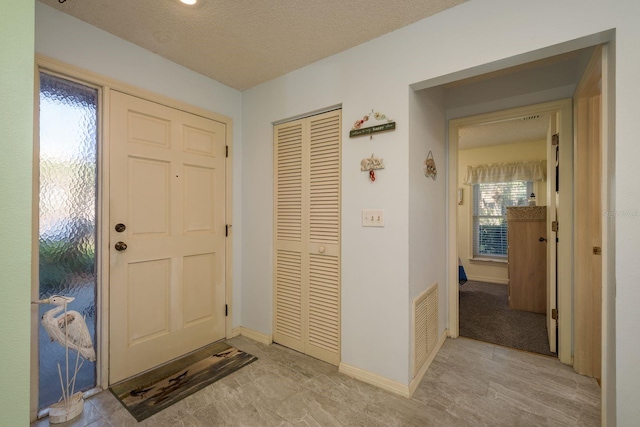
(251, 334)
(415, 382)
(374, 379)
(488, 279)
(234, 332)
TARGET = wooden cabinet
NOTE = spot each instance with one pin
(527, 258)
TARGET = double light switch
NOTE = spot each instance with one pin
(373, 218)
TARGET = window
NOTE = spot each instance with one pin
(490, 203)
(67, 220)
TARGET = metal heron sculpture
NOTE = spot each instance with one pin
(70, 331)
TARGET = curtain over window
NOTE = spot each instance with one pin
(506, 172)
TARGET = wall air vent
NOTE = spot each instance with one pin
(425, 327)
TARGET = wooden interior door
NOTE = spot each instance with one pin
(553, 171)
(588, 221)
(167, 202)
(527, 258)
(307, 235)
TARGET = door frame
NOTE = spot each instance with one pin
(565, 246)
(105, 85)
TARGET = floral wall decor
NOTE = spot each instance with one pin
(430, 166)
(360, 127)
(371, 164)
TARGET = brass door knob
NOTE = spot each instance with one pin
(121, 246)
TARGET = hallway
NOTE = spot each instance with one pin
(470, 383)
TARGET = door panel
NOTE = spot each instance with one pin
(167, 290)
(149, 196)
(588, 221)
(148, 297)
(289, 275)
(324, 238)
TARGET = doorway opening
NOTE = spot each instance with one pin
(506, 244)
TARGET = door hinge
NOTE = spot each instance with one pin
(226, 310)
(554, 314)
(555, 139)
(226, 230)
(554, 226)
(226, 151)
(597, 250)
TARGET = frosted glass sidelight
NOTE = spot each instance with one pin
(67, 236)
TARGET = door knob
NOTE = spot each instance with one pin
(321, 249)
(542, 239)
(120, 227)
(121, 246)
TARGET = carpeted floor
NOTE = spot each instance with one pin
(485, 316)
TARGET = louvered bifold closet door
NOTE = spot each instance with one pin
(307, 235)
(288, 328)
(324, 237)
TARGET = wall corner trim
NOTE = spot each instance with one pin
(374, 379)
(415, 382)
(251, 334)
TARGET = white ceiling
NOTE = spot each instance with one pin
(242, 43)
(524, 129)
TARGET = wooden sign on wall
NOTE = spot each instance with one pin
(358, 130)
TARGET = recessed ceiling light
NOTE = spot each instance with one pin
(189, 2)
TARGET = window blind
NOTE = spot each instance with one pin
(490, 202)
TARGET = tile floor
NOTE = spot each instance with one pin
(470, 383)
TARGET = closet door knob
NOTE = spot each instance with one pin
(321, 249)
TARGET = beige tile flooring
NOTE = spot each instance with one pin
(470, 383)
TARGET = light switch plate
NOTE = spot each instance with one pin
(373, 218)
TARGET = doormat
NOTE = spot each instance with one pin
(153, 391)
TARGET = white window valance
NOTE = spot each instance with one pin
(506, 172)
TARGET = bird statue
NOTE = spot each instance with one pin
(71, 332)
(69, 329)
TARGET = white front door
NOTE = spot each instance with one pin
(167, 234)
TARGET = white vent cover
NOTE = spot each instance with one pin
(425, 335)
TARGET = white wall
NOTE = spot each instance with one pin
(427, 198)
(74, 42)
(377, 75)
(544, 83)
(374, 261)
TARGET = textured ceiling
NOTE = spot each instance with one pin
(504, 132)
(242, 43)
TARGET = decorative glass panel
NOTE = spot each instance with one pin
(67, 237)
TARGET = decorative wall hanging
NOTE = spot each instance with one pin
(358, 130)
(371, 164)
(430, 166)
